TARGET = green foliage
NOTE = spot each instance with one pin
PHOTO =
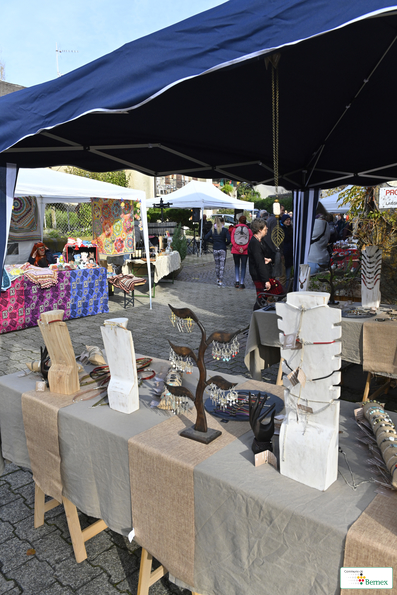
(181, 216)
(179, 242)
(119, 178)
(372, 227)
(267, 203)
(227, 189)
(247, 192)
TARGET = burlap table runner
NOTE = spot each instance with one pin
(40, 419)
(372, 541)
(380, 347)
(161, 473)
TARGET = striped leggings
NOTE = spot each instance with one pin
(220, 258)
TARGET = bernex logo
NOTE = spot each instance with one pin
(361, 578)
(366, 578)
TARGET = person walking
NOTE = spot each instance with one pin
(221, 238)
(260, 257)
(240, 238)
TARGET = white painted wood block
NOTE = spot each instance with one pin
(304, 277)
(123, 391)
(309, 434)
(371, 266)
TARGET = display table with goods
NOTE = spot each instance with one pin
(366, 339)
(217, 522)
(33, 290)
(162, 264)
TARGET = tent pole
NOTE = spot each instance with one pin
(146, 244)
(201, 231)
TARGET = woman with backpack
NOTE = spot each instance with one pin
(221, 238)
(241, 236)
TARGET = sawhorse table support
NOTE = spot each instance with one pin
(78, 536)
(147, 576)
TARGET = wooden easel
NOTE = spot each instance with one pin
(78, 536)
(147, 577)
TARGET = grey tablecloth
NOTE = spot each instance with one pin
(93, 446)
(257, 532)
(263, 345)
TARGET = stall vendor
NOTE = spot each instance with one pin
(41, 256)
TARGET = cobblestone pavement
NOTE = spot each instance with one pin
(41, 560)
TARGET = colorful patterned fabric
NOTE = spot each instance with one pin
(89, 292)
(38, 300)
(126, 282)
(43, 277)
(12, 307)
(25, 221)
(78, 293)
(113, 225)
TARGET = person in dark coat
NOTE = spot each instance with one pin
(221, 238)
(259, 257)
(41, 256)
(287, 247)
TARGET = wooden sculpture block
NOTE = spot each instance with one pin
(123, 391)
(371, 265)
(63, 375)
(309, 434)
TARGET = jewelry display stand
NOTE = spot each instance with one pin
(371, 265)
(304, 277)
(310, 431)
(63, 377)
(123, 392)
(184, 318)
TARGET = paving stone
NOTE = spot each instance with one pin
(27, 492)
(25, 530)
(74, 575)
(19, 478)
(117, 562)
(99, 585)
(6, 493)
(15, 511)
(33, 576)
(13, 553)
(6, 586)
(56, 589)
(6, 532)
(53, 548)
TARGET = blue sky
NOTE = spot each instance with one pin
(31, 29)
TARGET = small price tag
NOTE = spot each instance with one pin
(297, 376)
(305, 408)
(291, 342)
(266, 457)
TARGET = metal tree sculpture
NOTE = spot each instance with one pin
(200, 431)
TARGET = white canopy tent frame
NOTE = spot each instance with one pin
(50, 186)
(202, 195)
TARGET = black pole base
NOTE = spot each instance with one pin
(203, 437)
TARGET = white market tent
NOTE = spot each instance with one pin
(50, 186)
(202, 195)
(332, 205)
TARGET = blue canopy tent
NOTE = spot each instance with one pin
(196, 98)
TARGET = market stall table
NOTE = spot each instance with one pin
(363, 343)
(250, 522)
(79, 292)
(163, 265)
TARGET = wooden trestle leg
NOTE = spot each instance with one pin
(147, 577)
(77, 536)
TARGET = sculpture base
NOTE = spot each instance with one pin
(204, 437)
